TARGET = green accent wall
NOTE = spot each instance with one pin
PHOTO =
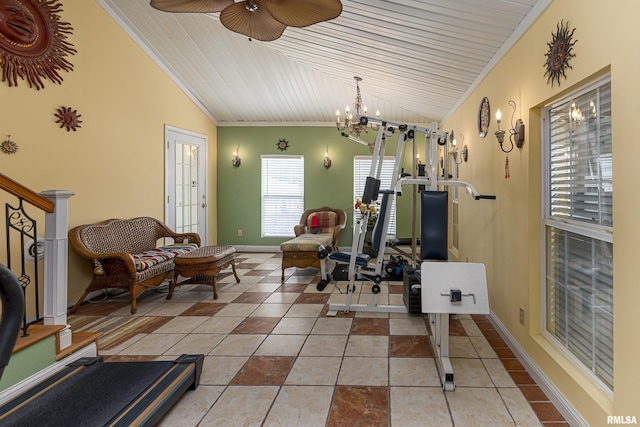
(239, 189)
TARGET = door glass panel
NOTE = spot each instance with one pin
(186, 187)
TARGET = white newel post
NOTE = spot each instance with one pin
(56, 263)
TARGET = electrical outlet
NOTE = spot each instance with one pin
(239, 232)
(522, 316)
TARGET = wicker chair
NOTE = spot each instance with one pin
(124, 254)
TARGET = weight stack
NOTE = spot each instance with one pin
(411, 294)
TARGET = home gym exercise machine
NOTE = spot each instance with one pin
(87, 391)
(445, 288)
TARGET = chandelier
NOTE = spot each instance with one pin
(354, 126)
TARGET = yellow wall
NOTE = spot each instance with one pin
(115, 162)
(505, 233)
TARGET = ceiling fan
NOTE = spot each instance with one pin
(263, 20)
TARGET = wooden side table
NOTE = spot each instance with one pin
(202, 266)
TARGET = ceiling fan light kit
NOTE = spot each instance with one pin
(263, 20)
(253, 20)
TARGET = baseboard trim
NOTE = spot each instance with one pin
(555, 396)
(90, 350)
(268, 249)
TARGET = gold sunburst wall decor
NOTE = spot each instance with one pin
(68, 118)
(33, 42)
(8, 146)
(560, 53)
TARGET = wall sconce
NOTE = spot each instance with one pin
(236, 158)
(516, 133)
(327, 159)
(458, 157)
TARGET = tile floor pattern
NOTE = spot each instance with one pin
(273, 357)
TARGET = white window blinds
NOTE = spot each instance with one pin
(282, 194)
(361, 169)
(580, 159)
(579, 229)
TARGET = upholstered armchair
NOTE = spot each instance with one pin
(322, 220)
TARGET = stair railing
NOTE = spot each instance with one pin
(54, 203)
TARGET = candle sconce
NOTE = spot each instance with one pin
(236, 160)
(458, 156)
(516, 133)
(327, 159)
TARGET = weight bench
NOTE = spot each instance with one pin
(451, 288)
(360, 267)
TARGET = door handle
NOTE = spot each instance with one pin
(204, 205)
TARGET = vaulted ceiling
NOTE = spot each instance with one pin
(418, 60)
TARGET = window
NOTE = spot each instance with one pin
(578, 221)
(282, 194)
(455, 209)
(455, 220)
(361, 169)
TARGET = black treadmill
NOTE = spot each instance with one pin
(90, 392)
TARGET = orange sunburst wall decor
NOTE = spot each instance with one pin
(33, 42)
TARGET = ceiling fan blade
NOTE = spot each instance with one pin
(302, 13)
(257, 24)
(191, 6)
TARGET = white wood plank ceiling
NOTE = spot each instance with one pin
(418, 58)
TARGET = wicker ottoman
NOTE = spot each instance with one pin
(302, 251)
(202, 266)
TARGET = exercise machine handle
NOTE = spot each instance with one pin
(485, 196)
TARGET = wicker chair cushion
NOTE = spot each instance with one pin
(328, 221)
(147, 259)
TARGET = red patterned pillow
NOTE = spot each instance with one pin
(327, 221)
(314, 224)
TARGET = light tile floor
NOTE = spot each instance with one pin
(273, 357)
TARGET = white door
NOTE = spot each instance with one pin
(186, 182)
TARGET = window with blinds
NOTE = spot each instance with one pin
(361, 169)
(455, 210)
(579, 228)
(282, 194)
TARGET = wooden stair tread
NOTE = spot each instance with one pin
(36, 333)
(78, 340)
(39, 332)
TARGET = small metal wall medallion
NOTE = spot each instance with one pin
(8, 146)
(282, 144)
(484, 117)
(68, 118)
